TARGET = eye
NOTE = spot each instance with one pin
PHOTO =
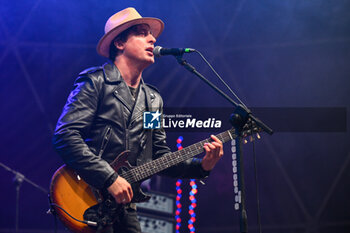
(144, 32)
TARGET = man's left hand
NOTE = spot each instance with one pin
(214, 151)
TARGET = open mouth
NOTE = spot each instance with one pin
(150, 49)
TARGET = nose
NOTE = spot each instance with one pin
(151, 39)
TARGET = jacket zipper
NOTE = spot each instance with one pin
(127, 139)
(105, 141)
(135, 118)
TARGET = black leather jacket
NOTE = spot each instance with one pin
(99, 122)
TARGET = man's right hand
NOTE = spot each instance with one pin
(121, 190)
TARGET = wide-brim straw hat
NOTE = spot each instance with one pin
(121, 21)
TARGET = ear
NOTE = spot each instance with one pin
(119, 44)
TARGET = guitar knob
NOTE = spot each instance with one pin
(108, 202)
(103, 222)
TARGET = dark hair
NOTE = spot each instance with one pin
(123, 37)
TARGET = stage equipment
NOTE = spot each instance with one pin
(179, 192)
(156, 224)
(157, 215)
(158, 204)
(18, 180)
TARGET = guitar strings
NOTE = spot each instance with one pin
(143, 171)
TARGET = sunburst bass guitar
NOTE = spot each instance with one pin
(82, 208)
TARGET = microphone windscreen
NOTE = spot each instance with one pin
(156, 51)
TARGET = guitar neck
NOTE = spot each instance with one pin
(148, 169)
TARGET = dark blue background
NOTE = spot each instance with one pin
(273, 53)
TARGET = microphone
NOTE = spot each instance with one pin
(159, 51)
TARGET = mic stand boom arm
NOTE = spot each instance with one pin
(243, 111)
(238, 119)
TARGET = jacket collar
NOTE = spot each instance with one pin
(111, 73)
(122, 92)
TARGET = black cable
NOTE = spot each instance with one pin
(82, 221)
(257, 187)
(227, 86)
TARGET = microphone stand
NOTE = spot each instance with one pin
(18, 180)
(238, 119)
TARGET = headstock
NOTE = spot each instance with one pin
(251, 131)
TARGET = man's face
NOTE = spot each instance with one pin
(139, 45)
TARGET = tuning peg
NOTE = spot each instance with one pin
(251, 138)
(258, 136)
(245, 141)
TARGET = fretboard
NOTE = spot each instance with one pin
(148, 169)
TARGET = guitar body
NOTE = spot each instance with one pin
(74, 195)
(70, 192)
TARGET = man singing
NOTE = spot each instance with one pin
(103, 116)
